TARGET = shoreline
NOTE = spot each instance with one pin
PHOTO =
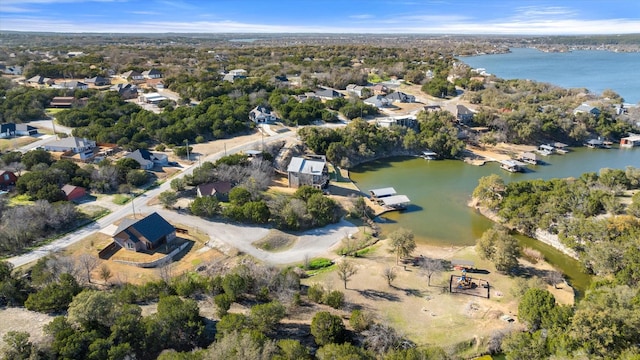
(539, 235)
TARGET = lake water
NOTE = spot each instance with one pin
(591, 69)
(440, 190)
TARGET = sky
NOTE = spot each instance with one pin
(517, 17)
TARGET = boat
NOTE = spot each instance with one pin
(595, 144)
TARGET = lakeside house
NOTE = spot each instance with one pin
(588, 109)
(144, 234)
(152, 74)
(312, 172)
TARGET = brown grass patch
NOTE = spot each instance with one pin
(276, 241)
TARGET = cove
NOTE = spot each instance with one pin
(440, 190)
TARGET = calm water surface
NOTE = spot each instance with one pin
(440, 190)
(594, 70)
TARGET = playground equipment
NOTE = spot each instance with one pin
(464, 281)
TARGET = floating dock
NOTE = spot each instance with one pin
(511, 166)
(630, 141)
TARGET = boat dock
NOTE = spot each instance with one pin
(545, 150)
(529, 158)
(512, 166)
(388, 199)
(561, 148)
(630, 141)
(429, 155)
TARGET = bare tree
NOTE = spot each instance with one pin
(555, 277)
(389, 274)
(105, 273)
(166, 271)
(87, 263)
(346, 270)
(431, 267)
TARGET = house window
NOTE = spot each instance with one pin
(6, 177)
(129, 245)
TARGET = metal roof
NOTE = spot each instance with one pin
(395, 200)
(306, 166)
(388, 191)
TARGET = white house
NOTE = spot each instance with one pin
(80, 146)
(148, 159)
(260, 114)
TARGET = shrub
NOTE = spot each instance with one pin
(334, 298)
(315, 293)
(223, 303)
(327, 328)
(319, 263)
(360, 320)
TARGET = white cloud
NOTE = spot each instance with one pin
(411, 24)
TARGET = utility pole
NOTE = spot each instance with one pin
(187, 141)
(225, 149)
(133, 207)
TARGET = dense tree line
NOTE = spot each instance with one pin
(23, 104)
(524, 111)
(109, 119)
(588, 217)
(360, 141)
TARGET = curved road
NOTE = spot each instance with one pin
(311, 243)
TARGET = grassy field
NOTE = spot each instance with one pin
(15, 143)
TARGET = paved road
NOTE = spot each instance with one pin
(313, 243)
(47, 124)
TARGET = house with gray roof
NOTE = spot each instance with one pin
(308, 171)
(328, 94)
(398, 96)
(132, 75)
(145, 234)
(148, 159)
(98, 81)
(586, 109)
(379, 101)
(73, 85)
(261, 114)
(127, 91)
(40, 80)
(463, 114)
(80, 146)
(152, 74)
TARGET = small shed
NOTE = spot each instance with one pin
(72, 192)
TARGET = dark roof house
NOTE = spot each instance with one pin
(328, 94)
(463, 114)
(219, 189)
(98, 81)
(148, 233)
(398, 96)
(11, 129)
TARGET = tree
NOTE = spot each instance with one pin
(342, 351)
(239, 196)
(168, 198)
(93, 309)
(34, 157)
(382, 338)
(178, 184)
(346, 270)
(389, 274)
(137, 177)
(264, 317)
(535, 307)
(105, 273)
(489, 191)
(402, 243)
(360, 320)
(327, 328)
(498, 246)
(241, 346)
(291, 349)
(205, 206)
(16, 345)
(54, 297)
(431, 267)
(87, 263)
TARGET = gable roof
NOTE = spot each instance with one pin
(306, 166)
(72, 142)
(328, 93)
(463, 110)
(68, 189)
(131, 73)
(400, 96)
(218, 187)
(96, 79)
(142, 156)
(153, 228)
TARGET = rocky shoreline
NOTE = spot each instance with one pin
(540, 235)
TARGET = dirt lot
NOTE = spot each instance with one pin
(427, 314)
